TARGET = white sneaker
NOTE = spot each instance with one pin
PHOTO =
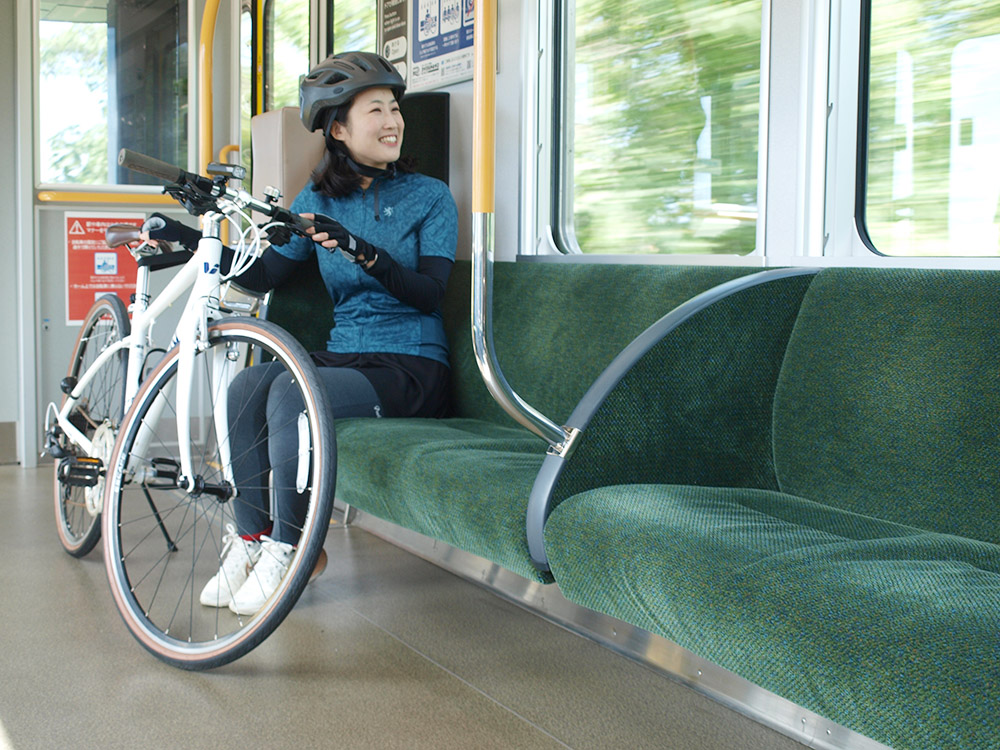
(238, 558)
(264, 578)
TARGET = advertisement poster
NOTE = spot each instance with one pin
(429, 41)
(395, 34)
(92, 268)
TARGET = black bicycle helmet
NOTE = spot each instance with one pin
(338, 78)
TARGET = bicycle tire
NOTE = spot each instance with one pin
(98, 414)
(156, 589)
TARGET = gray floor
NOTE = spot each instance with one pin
(383, 651)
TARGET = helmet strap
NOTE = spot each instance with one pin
(365, 171)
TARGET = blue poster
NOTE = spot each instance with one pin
(442, 51)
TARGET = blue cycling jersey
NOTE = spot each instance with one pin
(409, 216)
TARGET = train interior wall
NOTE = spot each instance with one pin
(9, 255)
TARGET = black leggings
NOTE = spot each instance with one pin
(263, 433)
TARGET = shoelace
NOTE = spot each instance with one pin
(230, 563)
(273, 562)
(228, 539)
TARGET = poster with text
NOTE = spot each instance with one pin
(394, 33)
(429, 41)
(92, 268)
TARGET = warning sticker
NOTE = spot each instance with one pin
(92, 268)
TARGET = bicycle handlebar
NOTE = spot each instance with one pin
(205, 188)
(148, 165)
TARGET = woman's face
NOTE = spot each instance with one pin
(373, 132)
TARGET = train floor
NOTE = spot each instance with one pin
(385, 650)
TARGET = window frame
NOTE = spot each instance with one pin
(847, 239)
(548, 227)
(106, 188)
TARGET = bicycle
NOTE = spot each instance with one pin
(150, 451)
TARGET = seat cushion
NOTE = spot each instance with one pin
(886, 629)
(465, 482)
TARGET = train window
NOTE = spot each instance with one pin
(933, 129)
(286, 50)
(270, 72)
(284, 54)
(664, 109)
(354, 25)
(112, 74)
(286, 42)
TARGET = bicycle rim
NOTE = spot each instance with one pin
(98, 415)
(164, 542)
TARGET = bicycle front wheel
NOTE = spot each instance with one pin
(97, 414)
(163, 532)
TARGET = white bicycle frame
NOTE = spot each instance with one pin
(202, 274)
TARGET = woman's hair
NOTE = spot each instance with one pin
(337, 175)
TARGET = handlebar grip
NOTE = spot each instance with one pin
(148, 165)
(301, 222)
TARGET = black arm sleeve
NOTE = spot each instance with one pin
(270, 270)
(422, 289)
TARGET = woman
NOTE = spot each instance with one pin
(385, 241)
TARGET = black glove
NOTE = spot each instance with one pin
(160, 227)
(354, 248)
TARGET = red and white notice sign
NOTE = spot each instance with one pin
(93, 268)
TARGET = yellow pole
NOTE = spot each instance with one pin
(224, 153)
(205, 46)
(484, 108)
(258, 59)
(484, 233)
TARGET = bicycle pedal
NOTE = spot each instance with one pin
(81, 471)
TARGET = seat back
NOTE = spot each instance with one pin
(889, 396)
(558, 325)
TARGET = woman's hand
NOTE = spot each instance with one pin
(160, 227)
(331, 234)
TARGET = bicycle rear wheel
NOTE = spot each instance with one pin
(163, 541)
(97, 414)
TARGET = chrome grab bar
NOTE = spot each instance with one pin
(483, 187)
(482, 338)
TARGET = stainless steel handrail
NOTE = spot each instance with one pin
(482, 337)
(483, 236)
